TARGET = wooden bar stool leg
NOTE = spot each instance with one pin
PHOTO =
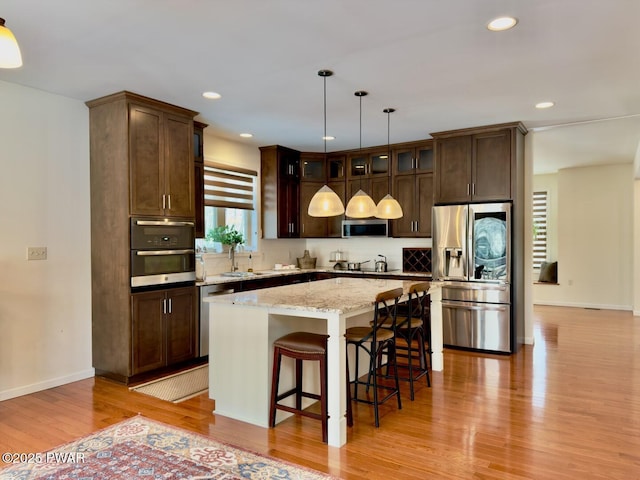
(275, 380)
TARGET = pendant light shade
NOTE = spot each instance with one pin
(388, 207)
(9, 51)
(325, 202)
(361, 205)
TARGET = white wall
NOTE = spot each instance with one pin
(636, 248)
(45, 306)
(594, 227)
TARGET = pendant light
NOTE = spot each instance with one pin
(325, 202)
(388, 207)
(361, 205)
(9, 51)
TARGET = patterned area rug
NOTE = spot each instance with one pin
(179, 386)
(146, 449)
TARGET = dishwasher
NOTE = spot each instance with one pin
(206, 291)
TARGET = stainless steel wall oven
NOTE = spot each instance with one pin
(162, 252)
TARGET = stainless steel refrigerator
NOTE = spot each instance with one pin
(471, 254)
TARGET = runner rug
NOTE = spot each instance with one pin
(178, 386)
(139, 448)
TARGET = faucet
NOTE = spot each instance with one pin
(232, 257)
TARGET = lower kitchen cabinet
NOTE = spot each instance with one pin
(163, 327)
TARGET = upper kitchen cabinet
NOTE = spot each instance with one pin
(198, 176)
(478, 164)
(317, 170)
(280, 192)
(147, 147)
(415, 195)
(313, 167)
(161, 162)
(410, 158)
(368, 163)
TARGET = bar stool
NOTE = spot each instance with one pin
(300, 346)
(375, 341)
(414, 324)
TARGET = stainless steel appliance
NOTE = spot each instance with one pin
(162, 252)
(472, 254)
(369, 227)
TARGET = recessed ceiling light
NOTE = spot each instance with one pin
(211, 95)
(329, 138)
(502, 23)
(545, 105)
(246, 135)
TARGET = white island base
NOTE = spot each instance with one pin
(244, 325)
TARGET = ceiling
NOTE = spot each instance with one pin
(433, 61)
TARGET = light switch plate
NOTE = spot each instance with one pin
(36, 253)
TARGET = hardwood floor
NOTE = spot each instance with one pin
(566, 408)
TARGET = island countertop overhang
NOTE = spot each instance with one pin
(335, 295)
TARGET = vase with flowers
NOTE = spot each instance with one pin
(227, 235)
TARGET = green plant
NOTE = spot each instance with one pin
(226, 234)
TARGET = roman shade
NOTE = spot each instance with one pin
(229, 186)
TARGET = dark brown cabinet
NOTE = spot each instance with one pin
(368, 163)
(415, 195)
(412, 167)
(163, 325)
(161, 162)
(318, 170)
(280, 192)
(476, 165)
(141, 149)
(412, 158)
(198, 176)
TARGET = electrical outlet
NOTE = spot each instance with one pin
(36, 253)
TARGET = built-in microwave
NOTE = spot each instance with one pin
(162, 252)
(368, 227)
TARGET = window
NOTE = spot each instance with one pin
(229, 199)
(539, 228)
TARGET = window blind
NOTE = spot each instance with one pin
(539, 228)
(228, 186)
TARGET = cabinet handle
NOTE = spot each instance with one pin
(169, 202)
(417, 225)
(170, 306)
(164, 201)
(468, 189)
(473, 188)
(164, 306)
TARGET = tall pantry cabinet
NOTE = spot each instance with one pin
(141, 165)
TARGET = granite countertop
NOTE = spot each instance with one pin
(335, 295)
(220, 278)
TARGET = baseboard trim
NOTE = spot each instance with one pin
(45, 384)
(587, 305)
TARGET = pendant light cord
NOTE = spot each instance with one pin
(325, 114)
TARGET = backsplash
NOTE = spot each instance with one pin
(416, 260)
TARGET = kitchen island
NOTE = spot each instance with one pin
(244, 325)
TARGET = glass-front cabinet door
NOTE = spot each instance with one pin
(336, 167)
(358, 166)
(379, 164)
(313, 167)
(413, 158)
